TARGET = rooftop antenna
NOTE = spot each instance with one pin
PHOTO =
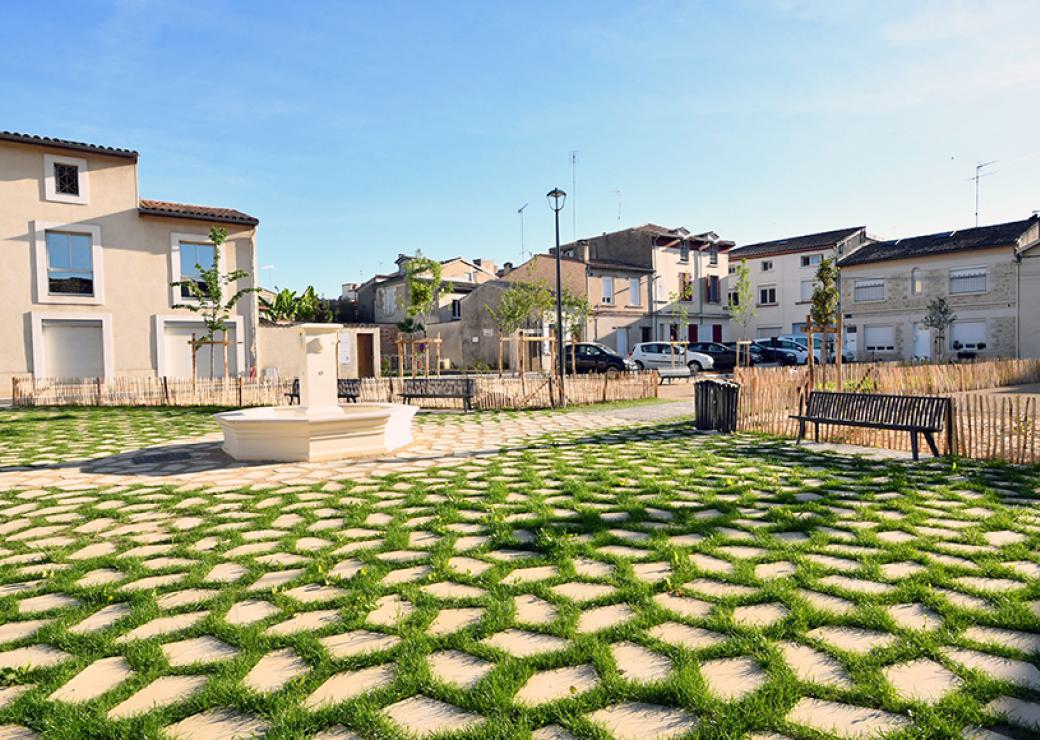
(520, 210)
(617, 192)
(574, 192)
(978, 176)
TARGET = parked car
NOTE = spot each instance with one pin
(592, 357)
(722, 357)
(649, 355)
(799, 352)
(803, 339)
(760, 353)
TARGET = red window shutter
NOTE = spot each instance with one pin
(716, 332)
(691, 333)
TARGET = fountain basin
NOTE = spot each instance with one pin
(302, 434)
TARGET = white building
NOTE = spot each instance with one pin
(782, 274)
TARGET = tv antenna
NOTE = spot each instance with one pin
(979, 174)
(520, 211)
(617, 192)
(574, 192)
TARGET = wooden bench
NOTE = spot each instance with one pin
(346, 388)
(462, 388)
(927, 415)
(671, 373)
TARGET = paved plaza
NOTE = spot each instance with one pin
(601, 573)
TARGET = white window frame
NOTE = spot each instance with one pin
(888, 349)
(456, 309)
(977, 268)
(974, 346)
(635, 293)
(39, 231)
(767, 265)
(807, 260)
(776, 294)
(916, 282)
(50, 186)
(607, 295)
(161, 320)
(176, 237)
(856, 286)
(39, 359)
(812, 289)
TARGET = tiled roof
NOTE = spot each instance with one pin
(76, 146)
(981, 237)
(820, 240)
(201, 213)
(597, 264)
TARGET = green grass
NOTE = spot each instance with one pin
(556, 501)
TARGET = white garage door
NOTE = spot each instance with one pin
(177, 338)
(73, 349)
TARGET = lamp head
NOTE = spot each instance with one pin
(556, 198)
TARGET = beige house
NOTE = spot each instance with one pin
(88, 267)
(886, 288)
(782, 276)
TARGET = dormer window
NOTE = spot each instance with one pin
(684, 252)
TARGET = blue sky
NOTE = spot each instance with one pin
(355, 131)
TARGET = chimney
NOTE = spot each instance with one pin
(507, 267)
(584, 250)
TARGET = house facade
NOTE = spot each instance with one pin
(886, 288)
(681, 282)
(88, 267)
(781, 273)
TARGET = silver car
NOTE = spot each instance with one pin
(650, 355)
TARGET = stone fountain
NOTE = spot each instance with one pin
(319, 428)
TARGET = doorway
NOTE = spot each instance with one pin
(366, 355)
(922, 342)
(621, 341)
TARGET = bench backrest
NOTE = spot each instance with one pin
(926, 412)
(348, 387)
(443, 387)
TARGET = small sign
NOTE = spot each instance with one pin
(345, 340)
(489, 333)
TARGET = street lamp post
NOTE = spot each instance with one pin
(556, 198)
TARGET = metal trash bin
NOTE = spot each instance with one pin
(715, 405)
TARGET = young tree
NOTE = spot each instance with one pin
(939, 317)
(681, 312)
(209, 294)
(576, 311)
(823, 310)
(423, 283)
(741, 302)
(519, 303)
(287, 306)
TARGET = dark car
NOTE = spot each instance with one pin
(763, 353)
(590, 357)
(725, 359)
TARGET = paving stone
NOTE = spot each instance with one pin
(315, 593)
(469, 566)
(17, 732)
(530, 575)
(640, 721)
(8, 694)
(720, 590)
(422, 716)
(604, 617)
(337, 732)
(163, 626)
(101, 619)
(305, 622)
(921, 680)
(683, 605)
(552, 732)
(218, 723)
(203, 650)
(161, 692)
(14, 631)
(852, 639)
(390, 611)
(358, 642)
(32, 657)
(46, 603)
(1026, 642)
(95, 680)
(533, 610)
(759, 615)
(636, 663)
(558, 683)
(250, 611)
(1016, 711)
(274, 670)
(996, 667)
(345, 686)
(581, 592)
(523, 644)
(275, 579)
(914, 617)
(731, 679)
(458, 668)
(186, 597)
(813, 666)
(845, 720)
(682, 635)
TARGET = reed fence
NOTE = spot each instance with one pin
(491, 391)
(986, 425)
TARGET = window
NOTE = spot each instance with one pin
(879, 339)
(864, 291)
(66, 179)
(767, 295)
(811, 260)
(634, 296)
(733, 298)
(389, 301)
(808, 286)
(608, 290)
(713, 255)
(712, 289)
(968, 335)
(684, 252)
(685, 287)
(194, 259)
(968, 280)
(456, 309)
(916, 286)
(71, 345)
(70, 264)
(731, 270)
(767, 265)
